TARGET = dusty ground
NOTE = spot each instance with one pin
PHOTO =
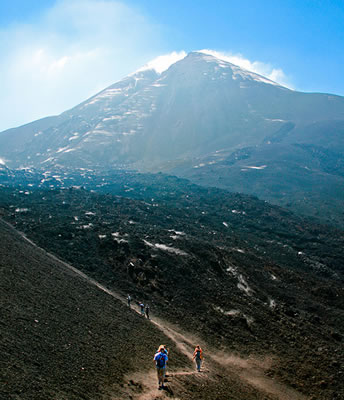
(64, 336)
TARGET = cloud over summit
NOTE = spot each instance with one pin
(261, 68)
(75, 49)
(67, 54)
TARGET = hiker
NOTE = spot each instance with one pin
(161, 359)
(129, 300)
(147, 311)
(198, 356)
(164, 349)
(142, 307)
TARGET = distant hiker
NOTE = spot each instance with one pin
(142, 308)
(147, 311)
(129, 300)
(161, 359)
(198, 356)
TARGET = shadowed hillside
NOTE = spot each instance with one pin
(61, 337)
(246, 277)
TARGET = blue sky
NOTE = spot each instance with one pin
(56, 53)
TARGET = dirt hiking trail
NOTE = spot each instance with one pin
(217, 364)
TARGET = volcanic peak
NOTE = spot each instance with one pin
(163, 63)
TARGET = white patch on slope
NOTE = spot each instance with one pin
(47, 160)
(239, 72)
(180, 233)
(62, 149)
(229, 313)
(232, 270)
(2, 161)
(88, 226)
(117, 238)
(166, 248)
(239, 212)
(113, 117)
(239, 250)
(242, 283)
(256, 167)
(158, 85)
(272, 303)
(233, 313)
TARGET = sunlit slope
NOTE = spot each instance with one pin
(200, 105)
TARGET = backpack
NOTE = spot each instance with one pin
(198, 354)
(160, 360)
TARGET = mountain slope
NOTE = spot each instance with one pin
(198, 106)
(207, 120)
(62, 337)
(306, 178)
(247, 277)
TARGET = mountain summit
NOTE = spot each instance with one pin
(198, 106)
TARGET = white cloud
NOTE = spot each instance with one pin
(264, 69)
(162, 63)
(77, 48)
(72, 51)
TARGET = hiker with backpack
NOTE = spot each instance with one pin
(164, 349)
(161, 359)
(198, 357)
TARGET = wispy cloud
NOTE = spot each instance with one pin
(70, 52)
(261, 68)
(77, 48)
(162, 63)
